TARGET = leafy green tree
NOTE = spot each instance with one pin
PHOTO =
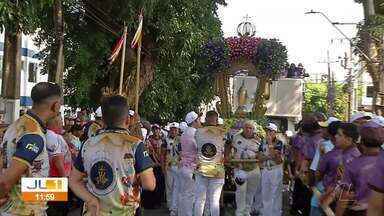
(370, 40)
(172, 81)
(315, 99)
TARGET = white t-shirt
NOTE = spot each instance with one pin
(56, 145)
(53, 144)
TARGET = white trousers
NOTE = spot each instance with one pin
(257, 205)
(246, 192)
(186, 192)
(172, 187)
(208, 189)
(272, 191)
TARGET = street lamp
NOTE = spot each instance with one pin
(334, 24)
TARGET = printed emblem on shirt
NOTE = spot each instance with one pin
(32, 147)
(102, 177)
(208, 150)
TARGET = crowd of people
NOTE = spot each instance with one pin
(117, 164)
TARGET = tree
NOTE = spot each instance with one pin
(56, 58)
(371, 41)
(16, 17)
(174, 31)
(315, 98)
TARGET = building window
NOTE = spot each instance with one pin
(32, 70)
(370, 91)
(23, 65)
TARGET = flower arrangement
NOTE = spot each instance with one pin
(242, 47)
(215, 55)
(268, 55)
(271, 58)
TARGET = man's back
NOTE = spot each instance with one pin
(111, 161)
(25, 141)
(210, 151)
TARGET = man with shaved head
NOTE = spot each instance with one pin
(24, 151)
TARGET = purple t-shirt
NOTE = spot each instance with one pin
(357, 173)
(328, 165)
(376, 182)
(297, 142)
(332, 164)
(350, 154)
(310, 145)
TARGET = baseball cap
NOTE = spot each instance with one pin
(191, 117)
(156, 126)
(325, 124)
(98, 112)
(272, 127)
(174, 125)
(183, 126)
(359, 115)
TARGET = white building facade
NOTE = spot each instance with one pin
(30, 75)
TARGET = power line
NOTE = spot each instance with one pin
(103, 12)
(99, 21)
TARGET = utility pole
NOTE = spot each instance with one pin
(330, 86)
(346, 66)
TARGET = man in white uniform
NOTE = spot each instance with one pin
(247, 175)
(171, 149)
(272, 174)
(188, 165)
(210, 172)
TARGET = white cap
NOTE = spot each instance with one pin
(98, 112)
(378, 120)
(183, 126)
(272, 127)
(131, 112)
(191, 117)
(174, 125)
(359, 115)
(220, 121)
(328, 122)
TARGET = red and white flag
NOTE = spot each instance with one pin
(116, 49)
(138, 35)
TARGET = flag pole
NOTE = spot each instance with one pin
(138, 76)
(122, 61)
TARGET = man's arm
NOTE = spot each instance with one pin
(77, 186)
(58, 161)
(147, 178)
(376, 204)
(11, 176)
(28, 148)
(143, 168)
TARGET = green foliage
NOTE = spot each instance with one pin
(174, 31)
(22, 16)
(181, 83)
(271, 58)
(316, 99)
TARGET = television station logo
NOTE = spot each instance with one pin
(44, 189)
